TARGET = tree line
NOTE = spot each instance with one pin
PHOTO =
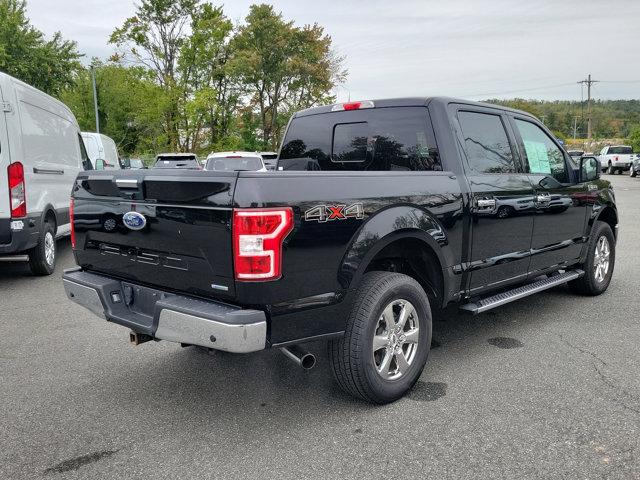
(183, 77)
(610, 118)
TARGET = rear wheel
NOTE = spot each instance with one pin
(42, 257)
(387, 339)
(599, 264)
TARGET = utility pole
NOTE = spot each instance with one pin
(575, 126)
(95, 97)
(589, 82)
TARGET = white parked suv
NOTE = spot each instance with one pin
(235, 162)
(616, 158)
(41, 152)
(100, 147)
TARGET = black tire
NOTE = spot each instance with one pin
(38, 262)
(588, 283)
(352, 356)
(505, 211)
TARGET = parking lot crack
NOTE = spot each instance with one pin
(624, 398)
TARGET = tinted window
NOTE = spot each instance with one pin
(377, 139)
(223, 164)
(176, 162)
(542, 154)
(486, 143)
(620, 150)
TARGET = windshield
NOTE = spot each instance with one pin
(234, 164)
(620, 150)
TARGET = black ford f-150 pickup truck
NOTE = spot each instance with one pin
(379, 212)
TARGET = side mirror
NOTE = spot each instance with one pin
(99, 164)
(589, 169)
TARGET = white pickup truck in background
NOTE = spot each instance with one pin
(616, 158)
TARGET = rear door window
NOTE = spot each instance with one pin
(381, 139)
(486, 143)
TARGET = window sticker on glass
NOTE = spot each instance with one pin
(538, 157)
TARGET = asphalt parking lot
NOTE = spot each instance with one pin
(548, 387)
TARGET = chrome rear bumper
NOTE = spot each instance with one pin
(168, 316)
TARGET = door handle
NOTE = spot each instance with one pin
(486, 203)
(48, 171)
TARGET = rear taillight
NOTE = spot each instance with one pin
(257, 241)
(17, 193)
(73, 229)
(615, 159)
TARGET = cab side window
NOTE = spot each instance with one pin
(543, 155)
(486, 143)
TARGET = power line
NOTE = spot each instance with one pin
(519, 91)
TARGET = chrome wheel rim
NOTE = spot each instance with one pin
(49, 248)
(601, 259)
(395, 340)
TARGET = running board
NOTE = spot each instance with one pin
(517, 293)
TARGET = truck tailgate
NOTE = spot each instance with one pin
(178, 237)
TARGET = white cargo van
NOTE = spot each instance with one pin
(41, 153)
(100, 147)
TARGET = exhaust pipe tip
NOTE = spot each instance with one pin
(308, 361)
(299, 356)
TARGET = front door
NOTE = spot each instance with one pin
(559, 222)
(502, 201)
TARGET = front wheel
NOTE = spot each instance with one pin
(598, 266)
(387, 339)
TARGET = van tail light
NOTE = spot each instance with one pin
(73, 228)
(17, 193)
(258, 234)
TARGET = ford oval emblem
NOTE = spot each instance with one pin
(134, 220)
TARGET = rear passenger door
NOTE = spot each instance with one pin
(501, 200)
(560, 214)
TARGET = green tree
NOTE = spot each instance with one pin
(49, 65)
(154, 37)
(283, 67)
(634, 139)
(131, 106)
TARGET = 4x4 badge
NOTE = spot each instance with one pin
(327, 213)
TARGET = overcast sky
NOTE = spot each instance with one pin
(470, 49)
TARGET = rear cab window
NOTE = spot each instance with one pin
(620, 150)
(377, 139)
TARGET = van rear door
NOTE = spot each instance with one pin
(5, 159)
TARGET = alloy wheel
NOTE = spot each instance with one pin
(395, 341)
(601, 259)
